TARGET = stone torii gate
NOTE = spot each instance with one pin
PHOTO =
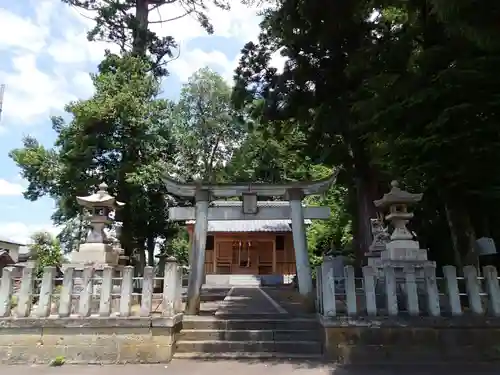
(202, 213)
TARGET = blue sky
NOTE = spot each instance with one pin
(45, 61)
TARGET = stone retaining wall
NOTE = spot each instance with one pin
(412, 340)
(88, 340)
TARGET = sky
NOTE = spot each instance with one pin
(45, 61)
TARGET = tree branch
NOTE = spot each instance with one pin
(174, 18)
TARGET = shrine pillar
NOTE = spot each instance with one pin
(197, 256)
(303, 267)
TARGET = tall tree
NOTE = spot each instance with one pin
(315, 86)
(207, 129)
(270, 154)
(120, 135)
(388, 89)
(127, 23)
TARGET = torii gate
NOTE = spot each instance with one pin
(201, 213)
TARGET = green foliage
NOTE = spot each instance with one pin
(46, 251)
(398, 89)
(272, 155)
(179, 247)
(73, 233)
(121, 136)
(206, 128)
(336, 232)
(269, 154)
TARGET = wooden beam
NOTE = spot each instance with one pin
(235, 213)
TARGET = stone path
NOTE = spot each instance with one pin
(248, 301)
(289, 299)
(194, 367)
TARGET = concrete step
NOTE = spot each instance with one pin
(249, 335)
(233, 280)
(218, 346)
(251, 324)
(249, 355)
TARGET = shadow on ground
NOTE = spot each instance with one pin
(326, 367)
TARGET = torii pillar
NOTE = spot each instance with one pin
(302, 266)
(197, 256)
(249, 210)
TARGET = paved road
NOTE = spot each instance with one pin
(192, 367)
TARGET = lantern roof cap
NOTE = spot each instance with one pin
(101, 198)
(397, 196)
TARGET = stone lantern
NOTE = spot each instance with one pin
(401, 248)
(402, 251)
(97, 249)
(401, 245)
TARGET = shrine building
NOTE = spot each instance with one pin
(261, 248)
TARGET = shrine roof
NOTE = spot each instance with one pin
(240, 226)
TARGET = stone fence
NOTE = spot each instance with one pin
(90, 315)
(398, 315)
(409, 291)
(87, 292)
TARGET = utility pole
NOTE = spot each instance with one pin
(2, 90)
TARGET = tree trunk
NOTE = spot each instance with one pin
(151, 250)
(366, 192)
(140, 32)
(462, 234)
(126, 238)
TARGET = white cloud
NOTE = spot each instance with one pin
(21, 232)
(22, 33)
(34, 90)
(29, 92)
(193, 60)
(9, 188)
(59, 31)
(84, 83)
(241, 24)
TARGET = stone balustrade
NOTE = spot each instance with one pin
(89, 292)
(408, 292)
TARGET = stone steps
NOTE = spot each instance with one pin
(249, 338)
(248, 355)
(223, 346)
(248, 335)
(261, 323)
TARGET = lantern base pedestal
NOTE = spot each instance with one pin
(95, 253)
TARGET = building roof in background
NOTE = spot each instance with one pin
(5, 257)
(241, 226)
(9, 241)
